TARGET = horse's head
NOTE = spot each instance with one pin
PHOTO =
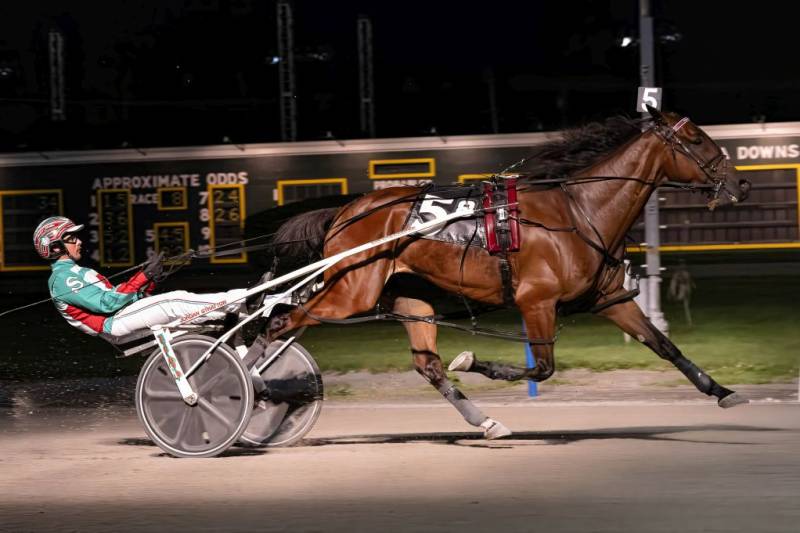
(698, 160)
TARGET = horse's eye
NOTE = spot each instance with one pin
(696, 140)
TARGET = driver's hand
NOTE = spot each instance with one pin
(149, 288)
(154, 267)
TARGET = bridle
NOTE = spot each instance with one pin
(715, 168)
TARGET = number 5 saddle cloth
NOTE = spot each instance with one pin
(495, 229)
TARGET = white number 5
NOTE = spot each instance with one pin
(649, 96)
(429, 206)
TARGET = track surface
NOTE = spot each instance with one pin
(390, 467)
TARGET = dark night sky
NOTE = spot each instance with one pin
(181, 72)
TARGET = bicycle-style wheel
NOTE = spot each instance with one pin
(222, 412)
(292, 399)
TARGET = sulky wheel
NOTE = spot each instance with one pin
(291, 401)
(225, 400)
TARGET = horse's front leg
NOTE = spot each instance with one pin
(632, 321)
(540, 327)
(427, 362)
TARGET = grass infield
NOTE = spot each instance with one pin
(746, 330)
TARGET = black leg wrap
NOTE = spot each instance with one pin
(295, 391)
(700, 379)
(704, 383)
(494, 370)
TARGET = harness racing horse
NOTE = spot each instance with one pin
(575, 207)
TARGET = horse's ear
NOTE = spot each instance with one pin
(655, 113)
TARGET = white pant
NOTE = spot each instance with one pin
(165, 308)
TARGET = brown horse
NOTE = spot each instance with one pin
(572, 241)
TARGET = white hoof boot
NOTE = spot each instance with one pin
(492, 429)
(462, 363)
(732, 400)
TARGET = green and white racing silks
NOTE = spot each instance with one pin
(87, 300)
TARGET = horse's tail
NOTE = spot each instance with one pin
(303, 235)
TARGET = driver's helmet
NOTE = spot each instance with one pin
(47, 238)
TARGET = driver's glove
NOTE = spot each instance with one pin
(154, 267)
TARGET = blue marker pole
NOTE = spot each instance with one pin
(530, 362)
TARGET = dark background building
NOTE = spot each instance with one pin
(195, 72)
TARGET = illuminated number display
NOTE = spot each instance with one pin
(20, 213)
(464, 178)
(171, 198)
(116, 227)
(226, 220)
(172, 238)
(297, 190)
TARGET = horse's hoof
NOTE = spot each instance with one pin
(492, 429)
(732, 400)
(462, 363)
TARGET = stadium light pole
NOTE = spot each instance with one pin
(55, 41)
(365, 77)
(652, 237)
(286, 96)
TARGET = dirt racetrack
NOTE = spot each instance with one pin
(416, 466)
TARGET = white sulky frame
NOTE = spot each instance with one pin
(162, 333)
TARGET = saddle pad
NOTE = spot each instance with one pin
(446, 200)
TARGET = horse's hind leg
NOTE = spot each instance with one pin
(632, 321)
(352, 291)
(427, 362)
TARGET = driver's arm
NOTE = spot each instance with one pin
(136, 283)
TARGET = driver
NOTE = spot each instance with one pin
(89, 302)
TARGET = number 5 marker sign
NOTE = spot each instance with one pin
(648, 96)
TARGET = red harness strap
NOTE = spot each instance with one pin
(502, 223)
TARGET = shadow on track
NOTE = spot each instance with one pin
(525, 438)
(236, 450)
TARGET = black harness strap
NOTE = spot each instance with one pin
(508, 281)
(624, 297)
(434, 320)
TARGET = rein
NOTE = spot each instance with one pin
(601, 248)
(171, 265)
(594, 179)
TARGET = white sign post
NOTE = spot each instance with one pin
(649, 95)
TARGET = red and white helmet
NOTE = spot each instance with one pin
(47, 238)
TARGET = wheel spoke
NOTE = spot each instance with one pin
(158, 383)
(208, 384)
(164, 395)
(210, 408)
(182, 426)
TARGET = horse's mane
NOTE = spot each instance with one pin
(578, 148)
